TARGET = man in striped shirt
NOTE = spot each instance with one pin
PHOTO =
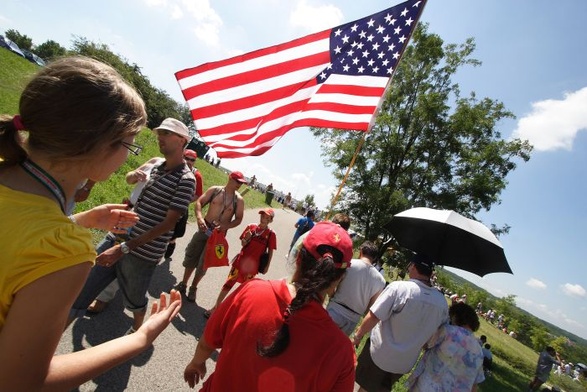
(163, 200)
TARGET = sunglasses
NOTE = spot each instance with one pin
(189, 159)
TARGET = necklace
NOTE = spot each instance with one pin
(46, 180)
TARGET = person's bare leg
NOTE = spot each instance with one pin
(223, 293)
(187, 273)
(139, 317)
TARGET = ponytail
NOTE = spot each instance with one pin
(315, 277)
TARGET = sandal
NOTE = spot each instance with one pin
(191, 297)
(180, 288)
(97, 306)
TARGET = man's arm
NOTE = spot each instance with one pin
(134, 176)
(200, 203)
(368, 323)
(112, 255)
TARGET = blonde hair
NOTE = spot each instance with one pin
(72, 108)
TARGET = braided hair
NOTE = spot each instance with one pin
(315, 277)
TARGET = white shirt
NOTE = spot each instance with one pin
(361, 282)
(410, 312)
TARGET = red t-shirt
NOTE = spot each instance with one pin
(247, 263)
(319, 357)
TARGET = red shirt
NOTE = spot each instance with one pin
(247, 263)
(319, 357)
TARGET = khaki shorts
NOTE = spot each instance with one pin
(369, 376)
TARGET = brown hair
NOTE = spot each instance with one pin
(315, 276)
(71, 108)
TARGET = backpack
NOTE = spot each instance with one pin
(304, 228)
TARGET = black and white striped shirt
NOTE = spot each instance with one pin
(164, 191)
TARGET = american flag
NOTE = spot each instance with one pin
(334, 79)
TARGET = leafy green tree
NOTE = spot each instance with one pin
(309, 201)
(23, 41)
(419, 152)
(506, 305)
(50, 50)
(159, 104)
(540, 338)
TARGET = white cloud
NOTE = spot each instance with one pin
(536, 284)
(554, 124)
(315, 18)
(574, 290)
(206, 21)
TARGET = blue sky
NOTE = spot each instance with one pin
(533, 60)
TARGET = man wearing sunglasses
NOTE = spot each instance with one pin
(164, 199)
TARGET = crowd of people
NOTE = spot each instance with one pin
(321, 314)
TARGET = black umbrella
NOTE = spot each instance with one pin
(450, 239)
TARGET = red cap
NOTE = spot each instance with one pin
(238, 177)
(190, 154)
(268, 211)
(330, 234)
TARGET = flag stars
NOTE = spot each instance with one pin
(371, 46)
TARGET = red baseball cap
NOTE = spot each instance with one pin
(330, 234)
(238, 177)
(268, 211)
(190, 154)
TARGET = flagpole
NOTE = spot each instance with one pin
(348, 171)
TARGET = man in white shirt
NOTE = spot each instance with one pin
(402, 319)
(358, 290)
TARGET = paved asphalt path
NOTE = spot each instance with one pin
(161, 367)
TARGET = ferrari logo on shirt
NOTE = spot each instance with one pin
(220, 251)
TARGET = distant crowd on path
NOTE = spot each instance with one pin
(304, 335)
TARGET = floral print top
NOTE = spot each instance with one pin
(453, 363)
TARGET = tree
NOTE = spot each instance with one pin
(50, 50)
(159, 104)
(23, 41)
(419, 152)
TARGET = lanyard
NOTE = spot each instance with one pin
(46, 180)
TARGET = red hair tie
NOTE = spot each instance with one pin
(17, 122)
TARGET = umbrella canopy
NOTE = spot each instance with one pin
(450, 239)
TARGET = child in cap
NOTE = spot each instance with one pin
(255, 240)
